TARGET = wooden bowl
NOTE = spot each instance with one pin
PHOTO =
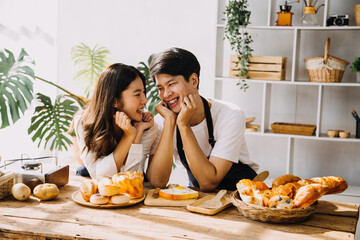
(344, 134)
(333, 133)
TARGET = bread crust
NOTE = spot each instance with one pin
(284, 179)
(308, 194)
(335, 184)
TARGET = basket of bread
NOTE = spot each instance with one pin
(290, 199)
(123, 189)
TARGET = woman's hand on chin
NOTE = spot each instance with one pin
(146, 123)
(124, 122)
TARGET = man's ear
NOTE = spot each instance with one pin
(194, 80)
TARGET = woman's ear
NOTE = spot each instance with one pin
(194, 80)
(116, 103)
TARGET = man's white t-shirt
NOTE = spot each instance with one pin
(229, 124)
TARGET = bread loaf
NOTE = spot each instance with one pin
(251, 196)
(245, 183)
(335, 184)
(281, 202)
(130, 183)
(284, 179)
(308, 194)
(304, 182)
(288, 189)
(88, 188)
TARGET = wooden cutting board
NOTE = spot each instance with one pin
(160, 201)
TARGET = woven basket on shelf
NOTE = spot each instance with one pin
(272, 215)
(327, 68)
(6, 183)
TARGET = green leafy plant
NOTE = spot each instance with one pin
(16, 85)
(237, 19)
(51, 120)
(356, 65)
(151, 90)
(90, 63)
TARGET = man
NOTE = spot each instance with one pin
(206, 136)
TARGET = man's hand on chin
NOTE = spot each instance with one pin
(188, 108)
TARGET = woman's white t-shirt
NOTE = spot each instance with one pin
(106, 166)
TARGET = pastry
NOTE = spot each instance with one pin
(308, 194)
(335, 184)
(178, 193)
(88, 188)
(281, 202)
(109, 190)
(120, 198)
(288, 189)
(130, 183)
(284, 179)
(251, 196)
(99, 199)
(304, 182)
(245, 183)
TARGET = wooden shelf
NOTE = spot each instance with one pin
(299, 28)
(341, 84)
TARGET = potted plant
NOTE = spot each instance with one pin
(237, 19)
(356, 68)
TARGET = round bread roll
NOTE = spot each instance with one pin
(88, 188)
(99, 199)
(109, 190)
(120, 198)
(284, 179)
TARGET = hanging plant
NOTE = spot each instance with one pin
(152, 93)
(237, 19)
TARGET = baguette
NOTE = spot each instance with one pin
(308, 194)
(335, 184)
(288, 189)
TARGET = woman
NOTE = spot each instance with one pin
(113, 132)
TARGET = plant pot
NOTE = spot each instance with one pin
(358, 77)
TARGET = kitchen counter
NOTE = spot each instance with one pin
(62, 218)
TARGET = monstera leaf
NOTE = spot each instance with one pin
(16, 85)
(152, 93)
(51, 121)
(90, 63)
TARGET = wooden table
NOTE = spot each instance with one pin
(64, 219)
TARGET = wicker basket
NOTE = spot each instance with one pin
(327, 68)
(6, 183)
(272, 215)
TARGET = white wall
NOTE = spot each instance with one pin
(32, 25)
(131, 29)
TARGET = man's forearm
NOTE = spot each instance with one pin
(160, 166)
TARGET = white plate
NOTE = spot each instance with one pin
(77, 197)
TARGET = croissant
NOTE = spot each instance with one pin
(288, 189)
(335, 184)
(284, 179)
(308, 194)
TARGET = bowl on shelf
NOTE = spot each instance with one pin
(332, 133)
(344, 134)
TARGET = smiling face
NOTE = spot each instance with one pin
(133, 100)
(173, 89)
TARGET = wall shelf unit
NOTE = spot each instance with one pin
(296, 78)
